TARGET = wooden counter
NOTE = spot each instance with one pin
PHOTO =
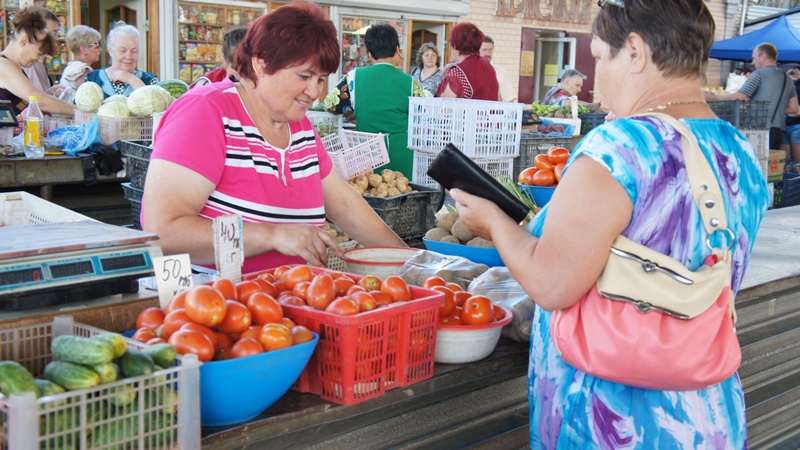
(18, 172)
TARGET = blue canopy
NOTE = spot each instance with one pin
(779, 33)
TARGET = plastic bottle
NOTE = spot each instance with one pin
(32, 130)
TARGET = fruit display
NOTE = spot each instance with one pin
(546, 169)
(388, 183)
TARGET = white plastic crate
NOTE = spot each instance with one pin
(85, 418)
(114, 129)
(480, 129)
(494, 166)
(336, 263)
(54, 121)
(22, 208)
(355, 153)
(759, 139)
(324, 122)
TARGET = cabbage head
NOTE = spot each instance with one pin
(114, 109)
(89, 97)
(148, 100)
(116, 98)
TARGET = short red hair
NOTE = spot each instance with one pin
(289, 36)
(466, 38)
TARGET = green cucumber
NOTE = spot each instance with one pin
(126, 394)
(47, 387)
(55, 423)
(15, 379)
(134, 363)
(162, 354)
(81, 350)
(70, 375)
(108, 372)
(116, 341)
(163, 396)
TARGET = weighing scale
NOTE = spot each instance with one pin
(529, 117)
(54, 263)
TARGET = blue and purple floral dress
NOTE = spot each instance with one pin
(571, 409)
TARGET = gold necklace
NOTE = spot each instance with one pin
(668, 104)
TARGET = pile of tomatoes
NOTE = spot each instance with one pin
(547, 168)
(459, 306)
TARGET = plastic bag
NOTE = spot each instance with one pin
(735, 82)
(77, 138)
(454, 269)
(501, 288)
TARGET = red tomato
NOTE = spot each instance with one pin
(244, 289)
(301, 334)
(301, 289)
(455, 287)
(557, 155)
(544, 177)
(365, 301)
(542, 162)
(279, 271)
(477, 311)
(396, 288)
(151, 317)
(268, 277)
(461, 297)
(354, 288)
(173, 322)
(264, 309)
(297, 274)
(342, 285)
(288, 323)
(223, 354)
(266, 286)
(381, 298)
(370, 283)
(251, 333)
(526, 176)
(237, 318)
(292, 300)
(223, 340)
(321, 292)
(176, 302)
(246, 347)
(190, 341)
(156, 340)
(344, 306)
(144, 335)
(205, 305)
(449, 304)
(226, 287)
(207, 332)
(557, 171)
(433, 281)
(450, 320)
(274, 336)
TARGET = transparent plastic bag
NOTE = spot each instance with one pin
(455, 269)
(501, 288)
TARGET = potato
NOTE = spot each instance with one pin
(409, 189)
(402, 184)
(374, 180)
(382, 191)
(393, 191)
(460, 231)
(446, 221)
(480, 242)
(388, 175)
(451, 239)
(362, 181)
(436, 234)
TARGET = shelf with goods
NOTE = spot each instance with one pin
(354, 51)
(201, 29)
(8, 9)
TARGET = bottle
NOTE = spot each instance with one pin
(32, 130)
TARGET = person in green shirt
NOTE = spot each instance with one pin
(376, 97)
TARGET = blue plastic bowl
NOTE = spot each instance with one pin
(541, 194)
(236, 390)
(480, 255)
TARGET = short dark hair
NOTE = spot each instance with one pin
(487, 38)
(679, 32)
(230, 42)
(768, 50)
(466, 38)
(33, 22)
(381, 41)
(289, 36)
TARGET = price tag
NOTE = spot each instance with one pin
(229, 246)
(173, 274)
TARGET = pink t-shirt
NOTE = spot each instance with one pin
(209, 131)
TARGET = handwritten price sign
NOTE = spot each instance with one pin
(173, 274)
(229, 246)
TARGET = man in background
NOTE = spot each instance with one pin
(768, 83)
(506, 92)
(37, 73)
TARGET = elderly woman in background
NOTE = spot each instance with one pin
(428, 71)
(247, 148)
(84, 43)
(122, 77)
(570, 85)
(472, 76)
(628, 177)
(31, 41)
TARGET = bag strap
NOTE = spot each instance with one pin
(780, 99)
(705, 187)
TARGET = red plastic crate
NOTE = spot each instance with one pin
(359, 357)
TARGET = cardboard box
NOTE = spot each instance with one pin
(777, 159)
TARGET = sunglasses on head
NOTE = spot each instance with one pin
(617, 3)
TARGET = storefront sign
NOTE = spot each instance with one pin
(526, 64)
(568, 11)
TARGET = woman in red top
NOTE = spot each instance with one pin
(472, 76)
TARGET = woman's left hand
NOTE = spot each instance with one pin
(477, 213)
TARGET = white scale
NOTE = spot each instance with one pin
(52, 263)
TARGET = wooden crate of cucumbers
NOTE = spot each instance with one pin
(408, 209)
(112, 394)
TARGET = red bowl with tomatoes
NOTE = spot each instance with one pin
(458, 344)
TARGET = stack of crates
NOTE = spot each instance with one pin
(532, 144)
(137, 154)
(487, 132)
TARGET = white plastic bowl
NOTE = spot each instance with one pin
(457, 344)
(378, 261)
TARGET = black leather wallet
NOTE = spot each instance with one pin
(454, 170)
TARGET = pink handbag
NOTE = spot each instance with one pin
(649, 321)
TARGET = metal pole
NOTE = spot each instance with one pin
(743, 19)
